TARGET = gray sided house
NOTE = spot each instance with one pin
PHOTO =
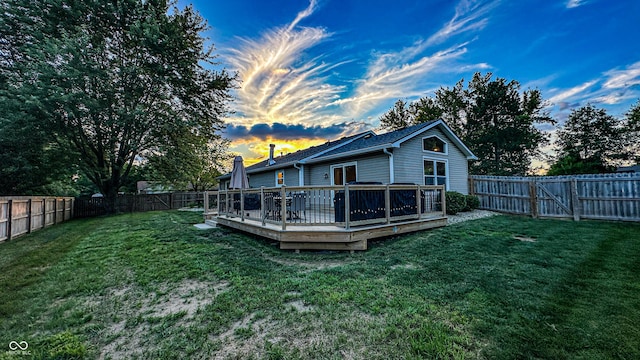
(426, 154)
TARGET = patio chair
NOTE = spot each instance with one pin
(297, 208)
(271, 210)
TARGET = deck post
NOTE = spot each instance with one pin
(205, 202)
(218, 201)
(241, 205)
(283, 206)
(347, 207)
(226, 202)
(262, 214)
(443, 200)
(418, 201)
(387, 204)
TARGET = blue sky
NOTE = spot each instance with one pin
(312, 71)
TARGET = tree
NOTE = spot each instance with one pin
(190, 165)
(398, 117)
(494, 119)
(631, 130)
(113, 81)
(592, 137)
(570, 164)
(501, 125)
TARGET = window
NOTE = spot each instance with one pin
(434, 144)
(279, 178)
(435, 172)
(343, 173)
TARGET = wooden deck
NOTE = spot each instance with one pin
(328, 237)
(329, 217)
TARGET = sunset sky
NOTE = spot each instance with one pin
(313, 71)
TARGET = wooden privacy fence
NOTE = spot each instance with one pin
(23, 214)
(601, 196)
(88, 207)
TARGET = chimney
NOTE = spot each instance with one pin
(271, 149)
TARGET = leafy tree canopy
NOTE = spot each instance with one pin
(110, 81)
(591, 136)
(497, 121)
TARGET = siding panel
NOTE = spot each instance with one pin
(409, 168)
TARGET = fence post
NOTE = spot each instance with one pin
(575, 201)
(44, 212)
(9, 218)
(533, 198)
(471, 186)
(29, 215)
(55, 211)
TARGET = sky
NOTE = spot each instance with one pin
(317, 70)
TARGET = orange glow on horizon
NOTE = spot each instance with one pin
(255, 150)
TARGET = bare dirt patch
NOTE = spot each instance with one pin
(299, 306)
(469, 215)
(408, 266)
(524, 238)
(311, 265)
(129, 303)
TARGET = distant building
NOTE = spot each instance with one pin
(629, 169)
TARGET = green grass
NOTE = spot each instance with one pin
(151, 285)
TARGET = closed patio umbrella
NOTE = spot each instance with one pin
(238, 175)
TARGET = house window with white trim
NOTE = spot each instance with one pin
(344, 173)
(435, 172)
(279, 178)
(434, 144)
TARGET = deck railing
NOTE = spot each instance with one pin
(328, 205)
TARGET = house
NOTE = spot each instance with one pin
(426, 154)
(629, 169)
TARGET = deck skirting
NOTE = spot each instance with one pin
(328, 237)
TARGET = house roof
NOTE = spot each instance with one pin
(376, 140)
(630, 169)
(356, 144)
(391, 139)
(300, 155)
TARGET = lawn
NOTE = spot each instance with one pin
(152, 286)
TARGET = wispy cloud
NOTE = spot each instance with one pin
(279, 82)
(572, 92)
(575, 3)
(303, 14)
(615, 86)
(469, 16)
(625, 78)
(401, 74)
